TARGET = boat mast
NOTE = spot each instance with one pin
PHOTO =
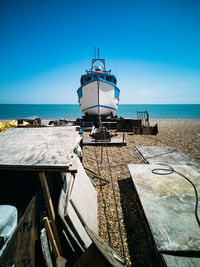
(94, 60)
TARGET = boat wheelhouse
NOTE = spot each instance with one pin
(98, 94)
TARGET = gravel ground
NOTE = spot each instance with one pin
(178, 133)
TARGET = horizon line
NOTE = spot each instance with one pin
(119, 104)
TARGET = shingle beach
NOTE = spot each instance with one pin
(183, 135)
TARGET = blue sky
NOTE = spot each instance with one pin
(151, 46)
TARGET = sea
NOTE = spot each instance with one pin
(72, 111)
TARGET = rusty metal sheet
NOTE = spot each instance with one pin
(169, 202)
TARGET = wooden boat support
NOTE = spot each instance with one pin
(139, 126)
(86, 123)
(31, 121)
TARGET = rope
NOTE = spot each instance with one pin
(170, 170)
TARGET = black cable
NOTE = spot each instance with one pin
(111, 179)
(115, 201)
(104, 202)
(170, 170)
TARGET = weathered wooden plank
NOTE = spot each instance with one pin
(61, 262)
(113, 141)
(47, 197)
(45, 248)
(20, 250)
(73, 166)
(98, 254)
(38, 148)
(84, 199)
(50, 210)
(70, 218)
(36, 168)
(51, 237)
(73, 219)
(176, 261)
(168, 202)
(167, 155)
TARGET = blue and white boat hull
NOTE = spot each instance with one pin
(98, 97)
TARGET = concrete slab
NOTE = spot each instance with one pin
(176, 261)
(38, 148)
(84, 199)
(167, 155)
(169, 202)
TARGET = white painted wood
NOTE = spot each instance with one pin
(72, 221)
(69, 184)
(84, 199)
(75, 221)
(45, 248)
(169, 202)
(65, 193)
(106, 98)
(67, 227)
(37, 147)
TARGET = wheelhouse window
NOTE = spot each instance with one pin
(109, 78)
(87, 79)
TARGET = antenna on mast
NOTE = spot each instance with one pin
(95, 52)
(98, 59)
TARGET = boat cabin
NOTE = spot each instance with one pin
(94, 75)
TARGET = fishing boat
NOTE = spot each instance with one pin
(98, 94)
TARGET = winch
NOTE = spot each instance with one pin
(99, 132)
